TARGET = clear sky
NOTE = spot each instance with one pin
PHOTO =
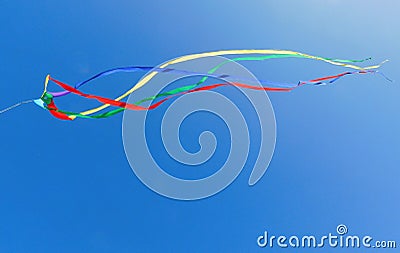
(67, 186)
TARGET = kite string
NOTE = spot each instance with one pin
(16, 105)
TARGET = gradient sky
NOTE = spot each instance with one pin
(67, 186)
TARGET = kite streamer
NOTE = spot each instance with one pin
(47, 102)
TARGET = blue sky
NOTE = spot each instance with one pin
(67, 186)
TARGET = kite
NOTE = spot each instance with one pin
(48, 98)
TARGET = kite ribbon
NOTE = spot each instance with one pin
(48, 98)
(272, 52)
(57, 113)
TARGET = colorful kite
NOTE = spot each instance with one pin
(47, 100)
